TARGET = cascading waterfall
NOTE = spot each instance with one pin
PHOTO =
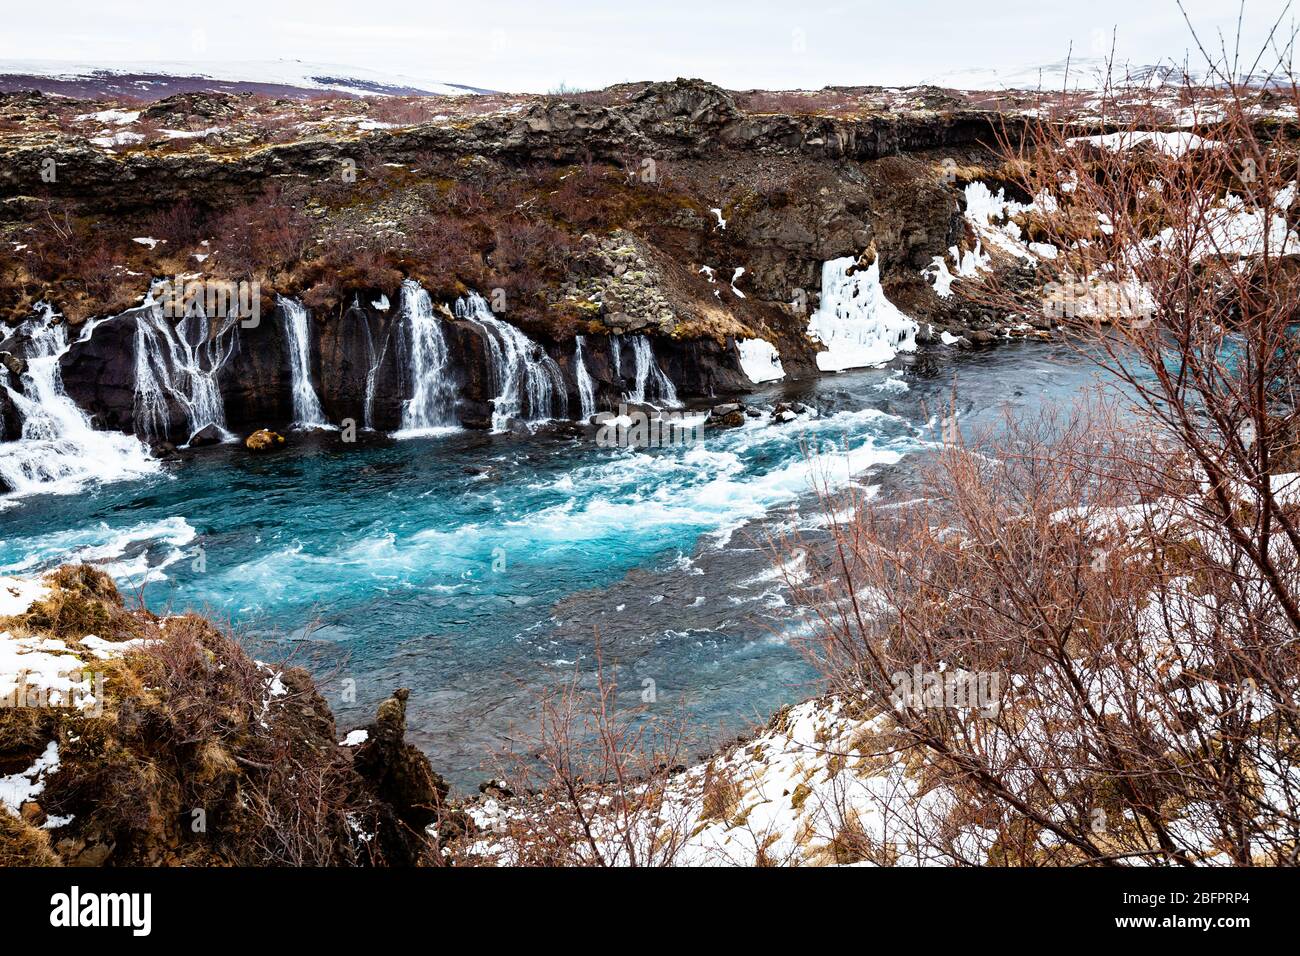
(180, 362)
(372, 375)
(433, 394)
(307, 412)
(648, 373)
(59, 450)
(586, 388)
(520, 368)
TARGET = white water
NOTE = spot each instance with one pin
(180, 362)
(855, 322)
(648, 374)
(433, 393)
(59, 451)
(521, 369)
(307, 412)
(586, 388)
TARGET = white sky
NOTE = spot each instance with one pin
(536, 46)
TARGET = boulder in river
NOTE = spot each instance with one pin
(264, 440)
(207, 435)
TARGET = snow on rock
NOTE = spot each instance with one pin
(18, 594)
(274, 688)
(822, 785)
(991, 216)
(105, 650)
(855, 322)
(1230, 228)
(740, 271)
(760, 360)
(116, 117)
(1172, 144)
(124, 138)
(46, 669)
(16, 789)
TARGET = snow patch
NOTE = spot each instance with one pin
(760, 360)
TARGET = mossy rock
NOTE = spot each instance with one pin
(264, 440)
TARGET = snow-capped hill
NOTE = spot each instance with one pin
(288, 78)
(1077, 73)
(1088, 73)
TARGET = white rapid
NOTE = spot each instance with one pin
(855, 322)
(428, 364)
(59, 450)
(529, 383)
(307, 412)
(179, 362)
(586, 388)
(648, 374)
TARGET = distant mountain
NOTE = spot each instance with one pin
(1081, 73)
(155, 79)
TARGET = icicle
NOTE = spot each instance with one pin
(856, 323)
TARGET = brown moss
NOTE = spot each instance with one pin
(82, 601)
(22, 844)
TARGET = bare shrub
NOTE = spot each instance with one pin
(591, 786)
(257, 236)
(1127, 577)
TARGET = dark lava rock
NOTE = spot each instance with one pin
(205, 436)
(400, 776)
(164, 451)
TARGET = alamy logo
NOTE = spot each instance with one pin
(75, 908)
(75, 688)
(633, 428)
(956, 689)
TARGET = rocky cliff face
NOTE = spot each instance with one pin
(674, 210)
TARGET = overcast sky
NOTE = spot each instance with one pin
(537, 46)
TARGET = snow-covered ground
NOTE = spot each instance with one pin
(147, 74)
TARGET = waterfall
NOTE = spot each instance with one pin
(521, 369)
(433, 393)
(586, 388)
(307, 412)
(856, 323)
(180, 363)
(59, 451)
(648, 373)
(373, 363)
